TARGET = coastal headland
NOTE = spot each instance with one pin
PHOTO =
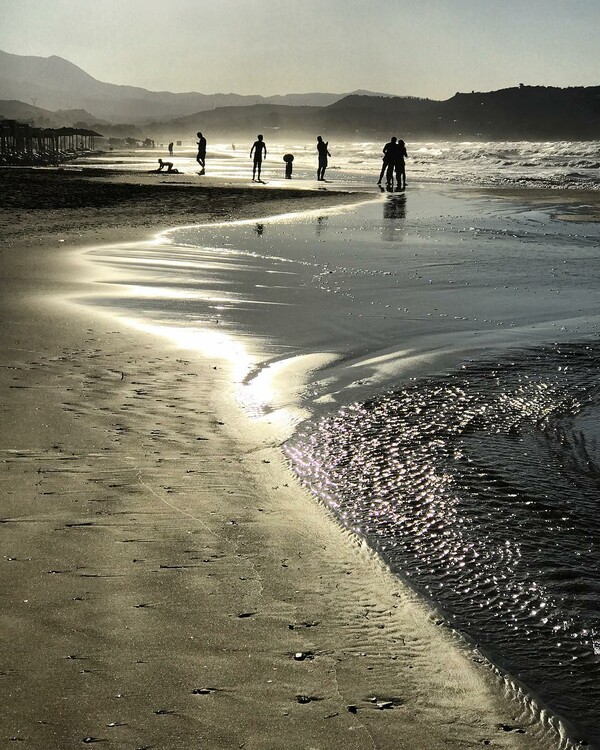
(166, 582)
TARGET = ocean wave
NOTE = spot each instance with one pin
(523, 163)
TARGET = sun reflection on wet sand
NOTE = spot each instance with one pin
(269, 393)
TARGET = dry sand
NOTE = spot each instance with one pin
(161, 568)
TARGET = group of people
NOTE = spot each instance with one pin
(259, 151)
(394, 154)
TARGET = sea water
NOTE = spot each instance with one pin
(544, 164)
(456, 425)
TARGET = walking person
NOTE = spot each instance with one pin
(323, 150)
(171, 148)
(259, 149)
(201, 157)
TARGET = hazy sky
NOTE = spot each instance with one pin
(427, 48)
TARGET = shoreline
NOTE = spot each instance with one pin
(168, 569)
(36, 203)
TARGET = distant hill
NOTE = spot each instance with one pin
(384, 116)
(44, 118)
(528, 112)
(352, 116)
(15, 110)
(275, 119)
(524, 112)
(54, 83)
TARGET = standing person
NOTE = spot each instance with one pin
(259, 149)
(323, 154)
(289, 166)
(390, 151)
(400, 166)
(201, 157)
(171, 148)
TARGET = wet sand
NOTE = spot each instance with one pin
(166, 583)
(569, 205)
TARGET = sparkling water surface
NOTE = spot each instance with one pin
(481, 487)
(544, 164)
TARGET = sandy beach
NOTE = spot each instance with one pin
(166, 581)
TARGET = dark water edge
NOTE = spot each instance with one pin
(480, 489)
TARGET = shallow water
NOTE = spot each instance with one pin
(456, 425)
(480, 487)
(412, 276)
(544, 164)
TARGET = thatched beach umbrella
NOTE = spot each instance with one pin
(90, 135)
(66, 136)
(20, 141)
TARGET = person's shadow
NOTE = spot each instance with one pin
(321, 225)
(395, 207)
(394, 213)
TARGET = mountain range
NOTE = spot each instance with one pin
(62, 94)
(53, 83)
(518, 113)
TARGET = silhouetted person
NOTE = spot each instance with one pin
(390, 151)
(400, 166)
(259, 149)
(201, 157)
(168, 165)
(171, 148)
(323, 154)
(289, 160)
